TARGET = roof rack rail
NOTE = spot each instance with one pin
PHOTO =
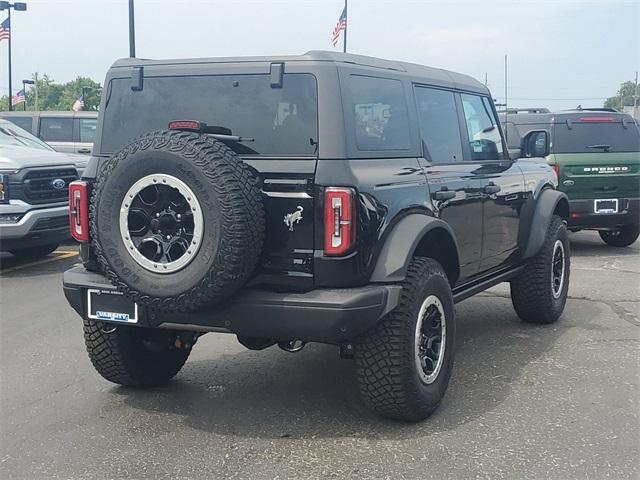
(597, 109)
(525, 110)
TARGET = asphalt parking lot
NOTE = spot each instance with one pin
(558, 401)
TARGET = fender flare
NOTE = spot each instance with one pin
(535, 220)
(401, 243)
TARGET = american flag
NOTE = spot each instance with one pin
(18, 98)
(341, 25)
(78, 104)
(5, 31)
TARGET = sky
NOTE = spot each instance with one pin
(560, 53)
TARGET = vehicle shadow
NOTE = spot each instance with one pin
(273, 394)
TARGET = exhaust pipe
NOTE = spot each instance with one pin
(292, 346)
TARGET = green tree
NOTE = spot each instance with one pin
(626, 92)
(56, 96)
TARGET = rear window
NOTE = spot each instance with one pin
(25, 123)
(585, 137)
(282, 121)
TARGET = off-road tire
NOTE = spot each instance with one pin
(622, 237)
(532, 291)
(119, 354)
(233, 217)
(34, 252)
(385, 363)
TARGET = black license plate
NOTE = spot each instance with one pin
(111, 306)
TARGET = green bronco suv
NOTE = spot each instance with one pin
(596, 155)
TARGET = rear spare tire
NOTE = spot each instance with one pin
(177, 220)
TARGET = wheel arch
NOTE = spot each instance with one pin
(536, 217)
(417, 235)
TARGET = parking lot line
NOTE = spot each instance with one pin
(62, 254)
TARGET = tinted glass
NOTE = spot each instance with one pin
(484, 135)
(88, 129)
(15, 136)
(582, 136)
(379, 110)
(26, 123)
(56, 129)
(439, 126)
(282, 121)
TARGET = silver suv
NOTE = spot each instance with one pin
(69, 132)
(34, 185)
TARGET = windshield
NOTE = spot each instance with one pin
(595, 137)
(280, 120)
(12, 135)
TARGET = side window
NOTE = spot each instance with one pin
(380, 113)
(87, 130)
(56, 129)
(25, 123)
(484, 135)
(439, 125)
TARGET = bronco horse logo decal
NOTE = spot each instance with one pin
(290, 219)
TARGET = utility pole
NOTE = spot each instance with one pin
(132, 31)
(35, 79)
(21, 7)
(635, 95)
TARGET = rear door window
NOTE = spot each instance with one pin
(593, 137)
(482, 128)
(439, 126)
(56, 129)
(379, 111)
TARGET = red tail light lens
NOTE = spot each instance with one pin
(598, 119)
(191, 125)
(556, 168)
(339, 220)
(79, 210)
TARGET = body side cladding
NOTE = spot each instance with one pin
(417, 235)
(537, 217)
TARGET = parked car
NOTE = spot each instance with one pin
(34, 198)
(327, 198)
(596, 155)
(69, 132)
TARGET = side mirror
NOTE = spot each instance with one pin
(535, 143)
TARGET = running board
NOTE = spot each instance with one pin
(464, 291)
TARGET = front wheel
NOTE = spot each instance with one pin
(539, 293)
(404, 363)
(134, 356)
(622, 237)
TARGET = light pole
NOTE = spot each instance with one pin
(24, 89)
(132, 31)
(18, 7)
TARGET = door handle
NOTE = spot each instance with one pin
(492, 188)
(84, 150)
(444, 195)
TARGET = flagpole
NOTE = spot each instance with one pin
(10, 35)
(346, 26)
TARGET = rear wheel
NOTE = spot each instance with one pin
(34, 252)
(622, 237)
(133, 356)
(404, 363)
(539, 293)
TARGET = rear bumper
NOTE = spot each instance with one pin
(36, 227)
(583, 216)
(322, 315)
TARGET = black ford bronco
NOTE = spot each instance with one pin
(326, 198)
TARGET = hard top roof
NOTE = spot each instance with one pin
(417, 72)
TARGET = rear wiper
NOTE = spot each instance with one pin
(601, 146)
(217, 132)
(231, 138)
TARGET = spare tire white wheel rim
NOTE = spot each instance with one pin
(430, 339)
(557, 269)
(161, 223)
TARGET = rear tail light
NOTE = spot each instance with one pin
(598, 119)
(79, 210)
(339, 220)
(556, 168)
